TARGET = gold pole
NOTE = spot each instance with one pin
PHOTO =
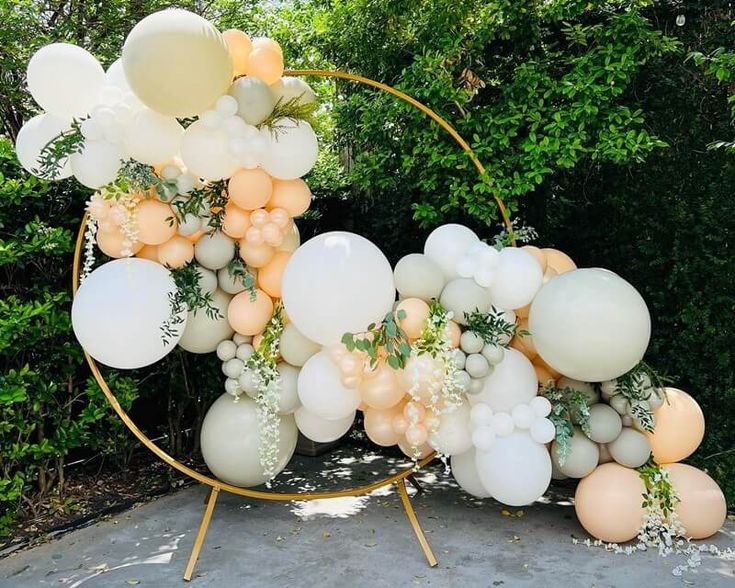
(413, 519)
(199, 541)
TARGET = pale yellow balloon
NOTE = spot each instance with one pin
(702, 509)
(608, 503)
(177, 63)
(679, 427)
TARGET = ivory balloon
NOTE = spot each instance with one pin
(288, 88)
(215, 250)
(417, 276)
(512, 382)
(321, 390)
(231, 436)
(630, 449)
(254, 100)
(65, 80)
(206, 153)
(447, 244)
(516, 471)
(679, 427)
(590, 325)
(295, 348)
(517, 279)
(288, 394)
(204, 332)
(608, 503)
(293, 149)
(465, 473)
(702, 509)
(118, 312)
(322, 430)
(335, 283)
(454, 434)
(33, 136)
(583, 456)
(463, 296)
(177, 62)
(97, 163)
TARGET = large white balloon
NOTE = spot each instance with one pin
(153, 138)
(516, 470)
(206, 152)
(465, 473)
(590, 325)
(65, 80)
(321, 390)
(293, 149)
(322, 430)
(463, 296)
(230, 441)
(516, 278)
(447, 244)
(119, 310)
(254, 100)
(512, 382)
(97, 164)
(33, 136)
(335, 283)
(416, 276)
(205, 331)
(454, 434)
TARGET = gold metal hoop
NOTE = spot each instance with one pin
(216, 485)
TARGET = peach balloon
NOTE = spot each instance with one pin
(400, 424)
(524, 343)
(271, 275)
(235, 221)
(539, 254)
(266, 64)
(608, 503)
(148, 252)
(272, 234)
(250, 188)
(523, 311)
(702, 509)
(454, 333)
(196, 236)
(423, 451)
(156, 222)
(559, 261)
(254, 236)
(379, 426)
(416, 435)
(239, 45)
(417, 313)
(259, 218)
(549, 273)
(256, 255)
(380, 388)
(176, 252)
(538, 361)
(248, 315)
(111, 242)
(543, 376)
(414, 411)
(293, 196)
(679, 427)
(280, 217)
(267, 43)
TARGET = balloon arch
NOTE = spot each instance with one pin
(509, 360)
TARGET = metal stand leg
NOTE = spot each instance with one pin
(415, 483)
(411, 514)
(208, 496)
(199, 541)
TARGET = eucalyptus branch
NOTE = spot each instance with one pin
(55, 153)
(386, 334)
(492, 327)
(567, 407)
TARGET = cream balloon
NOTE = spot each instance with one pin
(464, 470)
(453, 435)
(33, 136)
(288, 395)
(516, 470)
(153, 138)
(65, 80)
(206, 153)
(231, 436)
(322, 430)
(204, 332)
(177, 62)
(118, 312)
(447, 244)
(97, 163)
(289, 89)
(583, 456)
(254, 99)
(417, 276)
(292, 151)
(516, 279)
(321, 390)
(463, 296)
(512, 382)
(215, 250)
(590, 325)
(295, 348)
(335, 283)
(630, 449)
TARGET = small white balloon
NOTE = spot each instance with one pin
(232, 387)
(516, 279)
(33, 136)
(232, 368)
(289, 89)
(215, 250)
(447, 244)
(239, 339)
(481, 414)
(244, 351)
(483, 438)
(502, 423)
(541, 406)
(226, 106)
(293, 149)
(226, 350)
(523, 416)
(467, 266)
(542, 430)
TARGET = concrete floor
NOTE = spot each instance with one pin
(349, 542)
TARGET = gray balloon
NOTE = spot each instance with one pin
(605, 424)
(631, 449)
(583, 456)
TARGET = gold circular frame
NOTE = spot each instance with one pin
(218, 485)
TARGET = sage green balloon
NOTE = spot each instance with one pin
(604, 422)
(631, 449)
(582, 458)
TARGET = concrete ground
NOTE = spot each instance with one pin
(349, 542)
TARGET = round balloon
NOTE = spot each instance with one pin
(512, 382)
(590, 325)
(679, 427)
(454, 435)
(293, 149)
(463, 296)
(206, 154)
(516, 278)
(321, 390)
(335, 283)
(322, 430)
(417, 276)
(465, 473)
(702, 508)
(447, 244)
(295, 348)
(119, 310)
(205, 330)
(33, 136)
(583, 456)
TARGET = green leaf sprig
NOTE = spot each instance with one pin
(55, 153)
(386, 334)
(640, 386)
(567, 407)
(294, 109)
(660, 493)
(493, 328)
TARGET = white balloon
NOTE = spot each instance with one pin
(516, 278)
(523, 416)
(605, 424)
(321, 390)
(230, 441)
(293, 149)
(244, 351)
(65, 79)
(289, 88)
(204, 333)
(583, 457)
(471, 342)
(417, 276)
(335, 283)
(115, 77)
(465, 473)
(463, 295)
(232, 368)
(288, 396)
(512, 382)
(453, 435)
(447, 244)
(206, 152)
(483, 438)
(481, 414)
(226, 350)
(502, 423)
(254, 99)
(119, 310)
(542, 430)
(590, 325)
(33, 136)
(322, 430)
(295, 348)
(540, 406)
(215, 250)
(516, 471)
(97, 164)
(153, 138)
(232, 387)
